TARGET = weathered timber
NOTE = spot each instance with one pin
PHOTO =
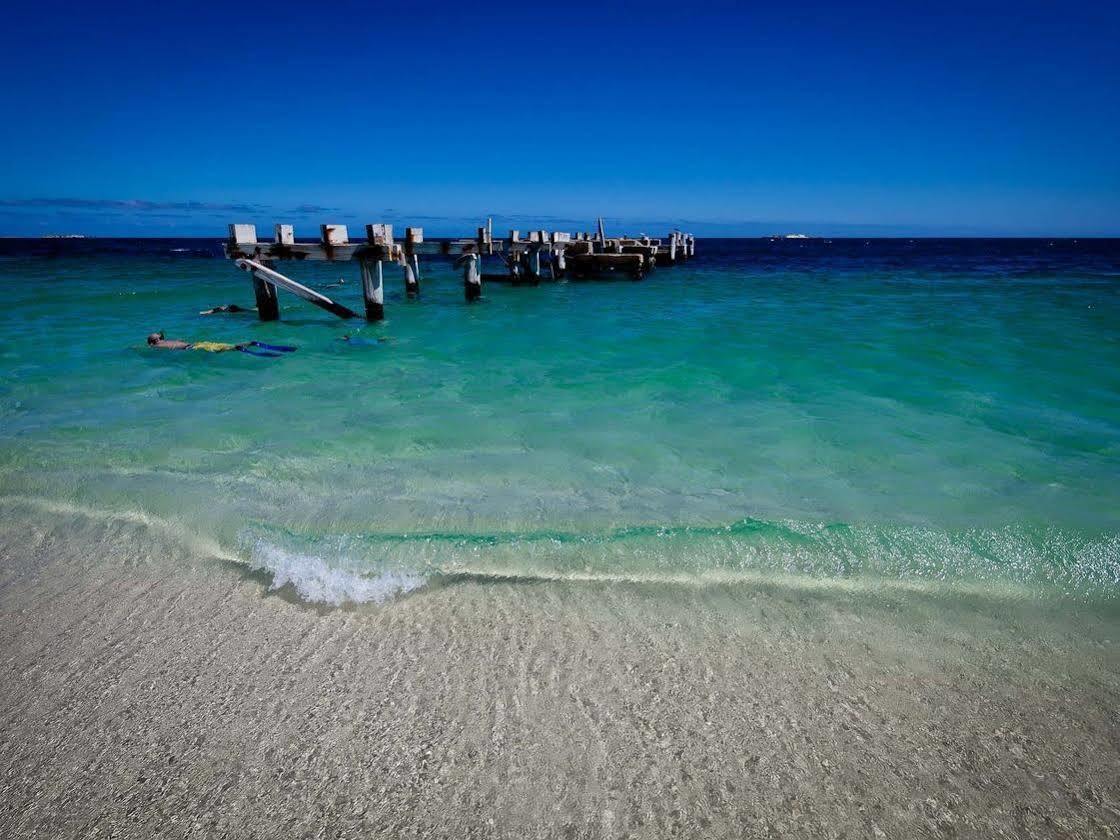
(277, 279)
(472, 276)
(647, 252)
(268, 304)
(586, 266)
(411, 264)
(525, 258)
(373, 289)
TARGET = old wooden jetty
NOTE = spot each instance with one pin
(524, 259)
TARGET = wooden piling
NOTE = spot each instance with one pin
(411, 264)
(268, 303)
(332, 236)
(285, 235)
(472, 274)
(559, 246)
(373, 290)
(243, 238)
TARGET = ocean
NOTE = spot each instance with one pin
(847, 413)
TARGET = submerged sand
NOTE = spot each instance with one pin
(182, 698)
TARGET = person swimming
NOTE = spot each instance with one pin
(228, 307)
(358, 341)
(253, 348)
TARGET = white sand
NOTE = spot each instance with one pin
(181, 699)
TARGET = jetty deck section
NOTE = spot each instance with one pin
(539, 255)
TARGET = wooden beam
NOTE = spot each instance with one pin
(269, 275)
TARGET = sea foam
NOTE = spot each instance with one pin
(317, 581)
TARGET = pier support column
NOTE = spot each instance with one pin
(411, 284)
(373, 290)
(411, 264)
(242, 242)
(268, 304)
(535, 262)
(472, 276)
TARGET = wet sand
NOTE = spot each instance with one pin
(182, 698)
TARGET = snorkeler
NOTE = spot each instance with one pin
(358, 341)
(229, 307)
(253, 348)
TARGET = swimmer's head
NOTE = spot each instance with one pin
(155, 337)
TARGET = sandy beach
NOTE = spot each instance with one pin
(628, 422)
(181, 697)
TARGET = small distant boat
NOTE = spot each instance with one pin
(63, 236)
(778, 236)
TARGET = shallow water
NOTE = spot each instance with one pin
(941, 412)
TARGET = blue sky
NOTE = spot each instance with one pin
(729, 118)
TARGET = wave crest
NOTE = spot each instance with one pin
(317, 581)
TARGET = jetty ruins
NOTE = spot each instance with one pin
(539, 255)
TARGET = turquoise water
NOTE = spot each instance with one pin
(881, 412)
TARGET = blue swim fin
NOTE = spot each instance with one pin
(279, 348)
(264, 353)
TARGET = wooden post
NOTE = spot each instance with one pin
(381, 236)
(673, 247)
(559, 265)
(285, 235)
(244, 238)
(472, 276)
(411, 264)
(535, 261)
(332, 235)
(268, 303)
(485, 240)
(373, 290)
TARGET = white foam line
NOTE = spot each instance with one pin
(323, 584)
(703, 579)
(139, 517)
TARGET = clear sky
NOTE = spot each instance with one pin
(729, 118)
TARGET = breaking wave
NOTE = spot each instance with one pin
(317, 581)
(378, 567)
